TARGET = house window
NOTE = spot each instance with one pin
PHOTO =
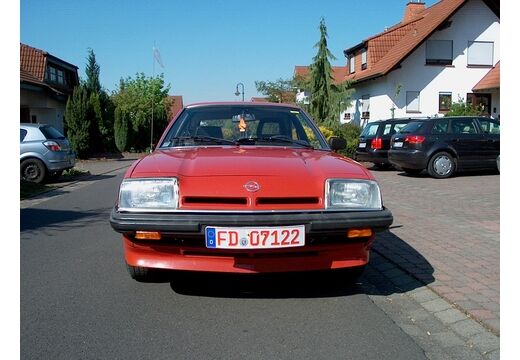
(481, 101)
(365, 107)
(364, 60)
(52, 74)
(412, 101)
(352, 64)
(444, 101)
(60, 78)
(439, 52)
(480, 53)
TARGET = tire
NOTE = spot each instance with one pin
(139, 273)
(412, 171)
(32, 170)
(441, 165)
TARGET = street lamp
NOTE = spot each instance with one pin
(238, 92)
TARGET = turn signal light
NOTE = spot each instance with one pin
(148, 235)
(356, 233)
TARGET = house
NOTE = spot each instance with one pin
(435, 56)
(45, 85)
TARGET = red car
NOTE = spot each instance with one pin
(247, 188)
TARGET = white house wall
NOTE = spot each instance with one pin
(474, 22)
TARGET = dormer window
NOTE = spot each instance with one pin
(55, 75)
(352, 64)
(364, 60)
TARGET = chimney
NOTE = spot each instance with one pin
(412, 9)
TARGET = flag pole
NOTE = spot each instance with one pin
(153, 75)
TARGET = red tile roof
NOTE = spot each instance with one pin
(32, 61)
(339, 73)
(176, 106)
(490, 81)
(259, 99)
(389, 48)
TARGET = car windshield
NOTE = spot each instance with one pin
(244, 125)
(412, 127)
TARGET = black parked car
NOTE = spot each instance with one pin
(374, 140)
(445, 145)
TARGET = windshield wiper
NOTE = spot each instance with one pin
(201, 138)
(285, 139)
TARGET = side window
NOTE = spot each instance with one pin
(440, 126)
(23, 133)
(463, 126)
(387, 129)
(489, 126)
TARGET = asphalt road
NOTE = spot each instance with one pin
(78, 302)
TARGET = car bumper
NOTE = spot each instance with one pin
(410, 159)
(375, 156)
(61, 161)
(182, 246)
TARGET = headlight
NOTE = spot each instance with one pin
(149, 194)
(353, 194)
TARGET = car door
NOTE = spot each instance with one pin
(466, 140)
(490, 133)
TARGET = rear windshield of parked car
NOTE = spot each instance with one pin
(370, 130)
(51, 133)
(412, 127)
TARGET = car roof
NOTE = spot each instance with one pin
(242, 103)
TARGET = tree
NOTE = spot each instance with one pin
(134, 100)
(77, 120)
(321, 78)
(280, 90)
(102, 109)
(327, 99)
(121, 129)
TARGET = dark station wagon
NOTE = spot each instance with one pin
(445, 145)
(374, 141)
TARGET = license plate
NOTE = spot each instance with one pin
(362, 145)
(255, 237)
(398, 144)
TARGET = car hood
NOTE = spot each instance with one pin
(219, 177)
(248, 161)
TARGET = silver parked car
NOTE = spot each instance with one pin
(44, 153)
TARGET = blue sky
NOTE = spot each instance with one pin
(207, 47)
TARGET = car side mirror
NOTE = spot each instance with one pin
(337, 143)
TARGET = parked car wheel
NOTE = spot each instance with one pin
(32, 170)
(441, 165)
(412, 171)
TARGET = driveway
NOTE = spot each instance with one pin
(453, 226)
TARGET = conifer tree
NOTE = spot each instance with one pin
(77, 120)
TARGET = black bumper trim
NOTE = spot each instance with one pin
(194, 223)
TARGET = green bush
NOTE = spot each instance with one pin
(350, 132)
(121, 129)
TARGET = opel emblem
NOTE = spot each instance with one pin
(252, 186)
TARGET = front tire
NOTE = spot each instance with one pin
(441, 165)
(32, 170)
(139, 273)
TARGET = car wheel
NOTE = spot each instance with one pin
(441, 165)
(139, 273)
(32, 170)
(412, 171)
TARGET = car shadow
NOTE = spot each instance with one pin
(32, 219)
(85, 177)
(466, 173)
(395, 267)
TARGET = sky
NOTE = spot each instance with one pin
(206, 47)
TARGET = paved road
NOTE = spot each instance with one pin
(435, 251)
(77, 302)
